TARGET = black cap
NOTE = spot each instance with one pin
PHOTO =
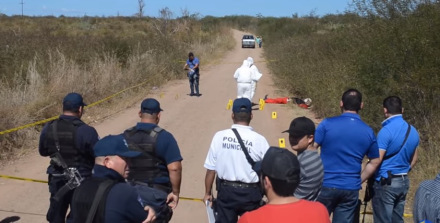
(150, 106)
(73, 101)
(281, 164)
(301, 126)
(242, 105)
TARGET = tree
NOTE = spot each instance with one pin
(141, 5)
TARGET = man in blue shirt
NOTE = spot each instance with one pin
(397, 141)
(73, 141)
(192, 65)
(156, 174)
(116, 200)
(344, 141)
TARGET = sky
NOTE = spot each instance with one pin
(266, 8)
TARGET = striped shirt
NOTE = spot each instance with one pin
(427, 201)
(312, 175)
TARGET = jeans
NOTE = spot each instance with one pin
(342, 203)
(234, 201)
(389, 200)
(194, 83)
(156, 199)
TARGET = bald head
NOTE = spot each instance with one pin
(149, 118)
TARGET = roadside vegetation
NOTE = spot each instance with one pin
(382, 48)
(44, 58)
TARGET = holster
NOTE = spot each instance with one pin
(386, 181)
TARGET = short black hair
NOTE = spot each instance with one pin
(393, 104)
(352, 100)
(242, 117)
(73, 110)
(282, 188)
(190, 54)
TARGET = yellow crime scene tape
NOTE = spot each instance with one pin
(404, 215)
(88, 106)
(45, 181)
(96, 103)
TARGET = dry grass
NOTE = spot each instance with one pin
(35, 89)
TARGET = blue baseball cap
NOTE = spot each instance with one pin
(242, 105)
(150, 106)
(113, 145)
(73, 101)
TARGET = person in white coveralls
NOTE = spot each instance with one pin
(257, 74)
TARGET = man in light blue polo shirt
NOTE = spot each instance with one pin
(397, 141)
(344, 141)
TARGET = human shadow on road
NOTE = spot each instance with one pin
(10, 219)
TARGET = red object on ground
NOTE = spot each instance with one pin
(276, 100)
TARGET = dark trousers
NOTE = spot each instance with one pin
(194, 83)
(235, 201)
(156, 199)
(58, 208)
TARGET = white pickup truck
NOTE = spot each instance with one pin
(248, 41)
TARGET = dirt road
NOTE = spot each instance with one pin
(193, 122)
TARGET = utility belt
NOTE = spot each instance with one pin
(387, 181)
(250, 82)
(238, 184)
(164, 188)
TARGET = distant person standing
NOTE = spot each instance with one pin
(69, 142)
(427, 202)
(301, 138)
(260, 43)
(257, 40)
(244, 77)
(257, 75)
(192, 65)
(397, 141)
(344, 141)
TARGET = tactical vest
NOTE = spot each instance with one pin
(65, 130)
(145, 167)
(85, 195)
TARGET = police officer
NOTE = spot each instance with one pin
(157, 173)
(69, 142)
(116, 201)
(192, 65)
(237, 182)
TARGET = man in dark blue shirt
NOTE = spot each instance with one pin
(157, 173)
(116, 200)
(72, 140)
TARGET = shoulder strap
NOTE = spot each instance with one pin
(54, 126)
(155, 131)
(98, 196)
(243, 148)
(403, 143)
